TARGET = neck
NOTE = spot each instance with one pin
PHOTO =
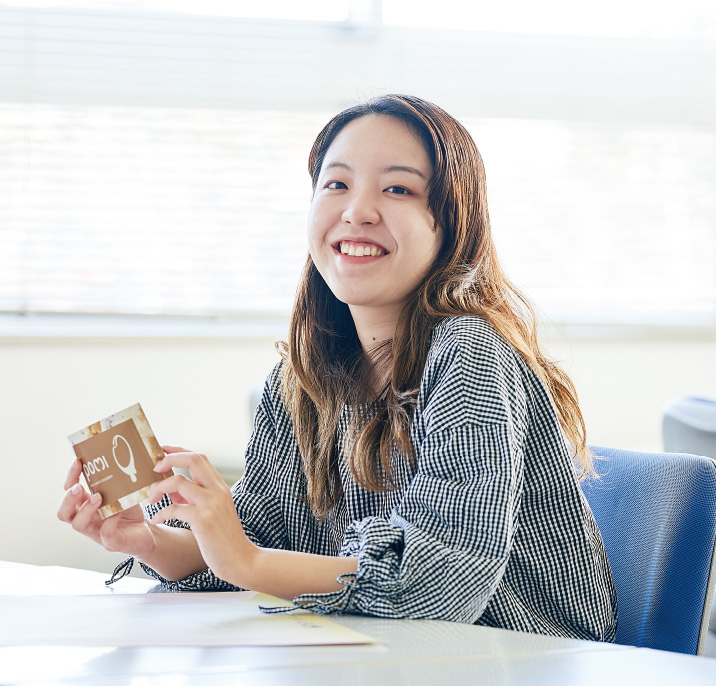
(375, 327)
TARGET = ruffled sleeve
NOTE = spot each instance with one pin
(443, 551)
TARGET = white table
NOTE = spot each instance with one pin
(408, 651)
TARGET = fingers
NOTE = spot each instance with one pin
(73, 475)
(78, 508)
(170, 512)
(75, 497)
(178, 499)
(108, 532)
(83, 520)
(169, 449)
(178, 488)
(200, 468)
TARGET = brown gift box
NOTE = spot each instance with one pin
(118, 455)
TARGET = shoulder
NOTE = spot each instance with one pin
(273, 380)
(270, 402)
(468, 346)
(471, 374)
(272, 435)
(472, 338)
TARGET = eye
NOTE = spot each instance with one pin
(398, 190)
(336, 185)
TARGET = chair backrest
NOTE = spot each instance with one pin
(657, 516)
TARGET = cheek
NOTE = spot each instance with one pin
(316, 219)
(431, 242)
(312, 229)
(428, 255)
(317, 228)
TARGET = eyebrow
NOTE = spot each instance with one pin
(386, 170)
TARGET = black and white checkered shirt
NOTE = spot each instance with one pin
(489, 526)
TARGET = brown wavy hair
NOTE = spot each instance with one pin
(325, 366)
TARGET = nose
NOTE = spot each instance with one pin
(361, 210)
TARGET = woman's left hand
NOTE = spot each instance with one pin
(205, 503)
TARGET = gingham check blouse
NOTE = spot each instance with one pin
(488, 526)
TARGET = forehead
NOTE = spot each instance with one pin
(378, 140)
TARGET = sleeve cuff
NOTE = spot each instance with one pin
(201, 581)
(378, 547)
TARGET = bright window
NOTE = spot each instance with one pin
(615, 18)
(153, 159)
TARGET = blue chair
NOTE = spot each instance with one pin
(657, 516)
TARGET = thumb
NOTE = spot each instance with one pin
(108, 532)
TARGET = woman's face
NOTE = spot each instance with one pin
(370, 232)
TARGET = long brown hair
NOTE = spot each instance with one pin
(325, 367)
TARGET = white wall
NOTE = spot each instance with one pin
(195, 393)
(623, 385)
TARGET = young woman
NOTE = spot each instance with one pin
(414, 453)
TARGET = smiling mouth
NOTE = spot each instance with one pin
(352, 248)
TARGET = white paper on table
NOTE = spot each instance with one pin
(163, 619)
(50, 580)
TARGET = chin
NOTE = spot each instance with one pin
(353, 301)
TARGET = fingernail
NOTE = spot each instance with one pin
(76, 489)
(96, 498)
(157, 467)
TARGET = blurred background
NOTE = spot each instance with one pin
(154, 192)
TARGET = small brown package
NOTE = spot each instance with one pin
(118, 455)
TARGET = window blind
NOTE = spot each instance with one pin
(155, 162)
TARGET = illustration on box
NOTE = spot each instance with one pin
(118, 455)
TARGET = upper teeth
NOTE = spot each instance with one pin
(360, 249)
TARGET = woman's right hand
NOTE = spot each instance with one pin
(126, 532)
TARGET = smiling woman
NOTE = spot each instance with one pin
(412, 454)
